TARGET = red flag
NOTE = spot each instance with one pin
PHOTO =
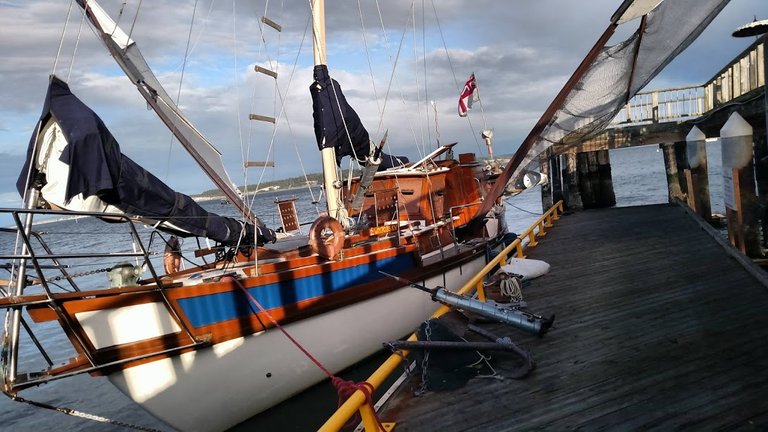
(467, 96)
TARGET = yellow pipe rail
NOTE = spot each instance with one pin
(356, 402)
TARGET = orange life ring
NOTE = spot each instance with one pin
(326, 237)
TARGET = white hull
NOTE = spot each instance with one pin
(216, 388)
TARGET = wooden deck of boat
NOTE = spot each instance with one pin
(657, 328)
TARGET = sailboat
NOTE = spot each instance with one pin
(207, 347)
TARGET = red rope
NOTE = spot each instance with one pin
(344, 388)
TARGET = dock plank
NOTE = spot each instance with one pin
(657, 328)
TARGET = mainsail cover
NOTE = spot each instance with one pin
(337, 125)
(98, 168)
(611, 75)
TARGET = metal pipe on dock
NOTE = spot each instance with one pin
(514, 317)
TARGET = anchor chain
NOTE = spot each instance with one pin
(76, 275)
(83, 415)
(425, 361)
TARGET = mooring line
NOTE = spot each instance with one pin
(344, 388)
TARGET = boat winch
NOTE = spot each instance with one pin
(123, 274)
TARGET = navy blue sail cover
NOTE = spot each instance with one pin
(338, 125)
(97, 167)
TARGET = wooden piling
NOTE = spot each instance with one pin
(739, 185)
(571, 194)
(673, 178)
(696, 175)
(607, 194)
(587, 169)
(682, 165)
(595, 181)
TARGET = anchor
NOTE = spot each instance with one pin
(459, 324)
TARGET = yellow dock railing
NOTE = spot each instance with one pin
(356, 402)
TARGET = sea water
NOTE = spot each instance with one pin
(638, 179)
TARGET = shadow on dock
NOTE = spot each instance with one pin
(657, 327)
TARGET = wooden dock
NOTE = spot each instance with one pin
(657, 327)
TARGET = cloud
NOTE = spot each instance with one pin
(522, 53)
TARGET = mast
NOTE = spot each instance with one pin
(330, 175)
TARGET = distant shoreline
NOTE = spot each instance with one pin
(203, 198)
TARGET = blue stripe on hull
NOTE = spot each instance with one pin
(214, 308)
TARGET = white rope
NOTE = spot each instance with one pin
(511, 287)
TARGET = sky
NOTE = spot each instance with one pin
(521, 51)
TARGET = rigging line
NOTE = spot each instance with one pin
(237, 85)
(283, 104)
(343, 120)
(205, 20)
(426, 86)
(273, 64)
(119, 17)
(275, 96)
(368, 57)
(61, 40)
(136, 17)
(77, 44)
(394, 69)
(480, 100)
(453, 71)
(391, 81)
(521, 209)
(416, 74)
(181, 81)
(262, 43)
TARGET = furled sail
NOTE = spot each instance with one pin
(129, 57)
(78, 165)
(337, 125)
(611, 75)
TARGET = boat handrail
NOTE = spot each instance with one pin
(357, 402)
(31, 257)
